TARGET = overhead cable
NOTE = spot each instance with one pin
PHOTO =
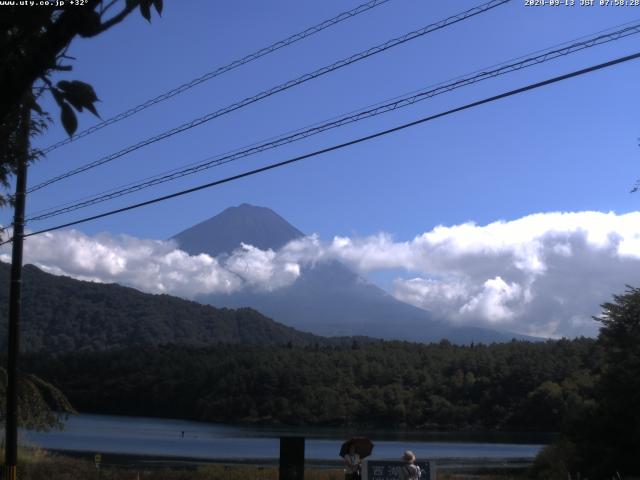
(316, 153)
(279, 88)
(219, 71)
(379, 109)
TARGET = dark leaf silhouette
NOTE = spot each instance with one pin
(79, 94)
(145, 9)
(91, 23)
(69, 120)
(58, 96)
(158, 4)
(93, 110)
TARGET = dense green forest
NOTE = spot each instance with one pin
(61, 314)
(519, 385)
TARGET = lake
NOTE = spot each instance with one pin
(164, 437)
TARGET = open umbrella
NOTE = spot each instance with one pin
(363, 445)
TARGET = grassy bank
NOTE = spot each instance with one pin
(41, 465)
(37, 464)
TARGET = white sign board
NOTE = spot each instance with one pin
(381, 469)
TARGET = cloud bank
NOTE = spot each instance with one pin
(544, 274)
(154, 266)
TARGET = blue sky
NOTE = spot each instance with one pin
(569, 147)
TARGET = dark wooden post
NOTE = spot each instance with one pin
(291, 458)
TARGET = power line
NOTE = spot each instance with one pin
(277, 89)
(220, 70)
(581, 39)
(379, 109)
(272, 166)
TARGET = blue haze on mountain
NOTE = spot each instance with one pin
(328, 298)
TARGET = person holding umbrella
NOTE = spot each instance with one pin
(353, 451)
(352, 464)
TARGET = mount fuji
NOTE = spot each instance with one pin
(327, 298)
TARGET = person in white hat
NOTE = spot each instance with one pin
(409, 471)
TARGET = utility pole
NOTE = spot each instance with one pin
(15, 301)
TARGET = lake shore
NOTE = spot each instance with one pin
(153, 462)
(214, 443)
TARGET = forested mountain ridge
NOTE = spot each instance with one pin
(61, 314)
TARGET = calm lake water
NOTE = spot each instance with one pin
(162, 437)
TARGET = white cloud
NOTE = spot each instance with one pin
(154, 266)
(543, 274)
(262, 269)
(493, 300)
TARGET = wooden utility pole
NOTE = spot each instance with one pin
(15, 301)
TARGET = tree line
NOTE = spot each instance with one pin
(517, 385)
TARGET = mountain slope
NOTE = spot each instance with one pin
(61, 314)
(328, 298)
(257, 226)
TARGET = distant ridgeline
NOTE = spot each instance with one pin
(61, 314)
(516, 385)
